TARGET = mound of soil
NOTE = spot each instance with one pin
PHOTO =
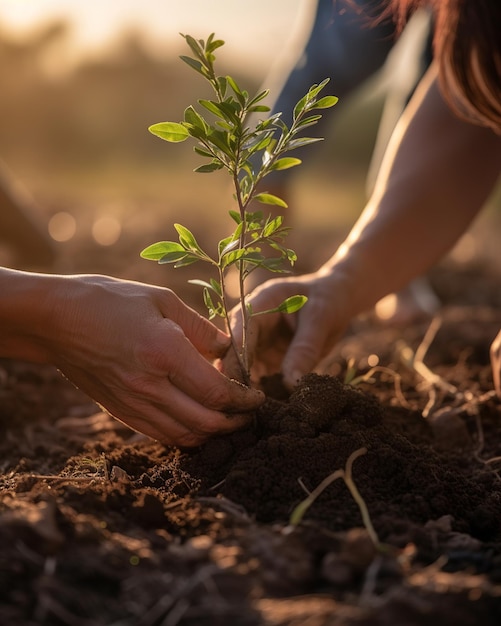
(99, 526)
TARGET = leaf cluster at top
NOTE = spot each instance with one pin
(226, 141)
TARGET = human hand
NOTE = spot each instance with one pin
(292, 343)
(146, 357)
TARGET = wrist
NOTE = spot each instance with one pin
(27, 314)
(342, 286)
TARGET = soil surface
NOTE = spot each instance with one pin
(100, 526)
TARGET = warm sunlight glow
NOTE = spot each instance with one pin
(62, 226)
(387, 307)
(97, 24)
(106, 230)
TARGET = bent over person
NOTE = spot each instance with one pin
(442, 162)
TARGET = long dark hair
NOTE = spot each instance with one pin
(467, 48)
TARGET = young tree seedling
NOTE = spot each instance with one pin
(228, 143)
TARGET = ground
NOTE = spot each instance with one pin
(99, 526)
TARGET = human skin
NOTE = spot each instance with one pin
(136, 349)
(436, 175)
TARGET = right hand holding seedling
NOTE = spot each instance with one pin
(292, 343)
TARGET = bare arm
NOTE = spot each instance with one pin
(436, 176)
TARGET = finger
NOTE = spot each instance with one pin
(308, 345)
(203, 334)
(165, 413)
(200, 380)
(174, 418)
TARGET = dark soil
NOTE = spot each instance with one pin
(99, 526)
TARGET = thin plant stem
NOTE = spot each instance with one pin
(241, 280)
(298, 513)
(347, 475)
(238, 352)
(348, 479)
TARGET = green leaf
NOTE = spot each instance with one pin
(260, 96)
(228, 258)
(314, 90)
(229, 110)
(259, 108)
(231, 244)
(174, 257)
(289, 305)
(285, 163)
(209, 303)
(196, 131)
(188, 259)
(224, 242)
(299, 108)
(209, 167)
(302, 141)
(214, 44)
(212, 107)
(196, 65)
(216, 286)
(261, 141)
(192, 117)
(223, 85)
(291, 256)
(235, 216)
(326, 102)
(308, 121)
(203, 152)
(187, 239)
(275, 264)
(272, 226)
(170, 131)
(269, 198)
(213, 309)
(201, 283)
(157, 250)
(220, 140)
(253, 216)
(196, 46)
(251, 255)
(238, 92)
(292, 304)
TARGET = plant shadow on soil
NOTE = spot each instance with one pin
(101, 526)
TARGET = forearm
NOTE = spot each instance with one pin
(26, 314)
(435, 178)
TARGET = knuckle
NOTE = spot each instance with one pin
(135, 383)
(154, 350)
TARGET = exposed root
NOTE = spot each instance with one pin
(346, 475)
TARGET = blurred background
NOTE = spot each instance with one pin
(80, 82)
